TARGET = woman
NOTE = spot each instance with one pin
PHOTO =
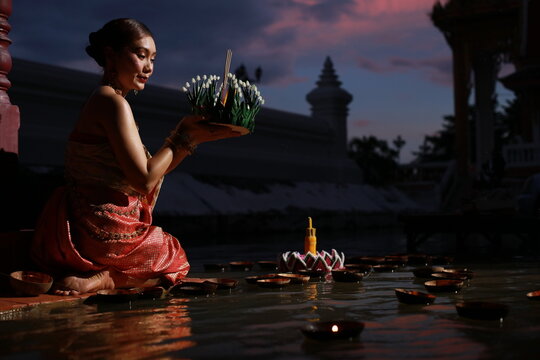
(95, 232)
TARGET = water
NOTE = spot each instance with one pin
(251, 322)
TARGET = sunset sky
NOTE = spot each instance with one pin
(387, 53)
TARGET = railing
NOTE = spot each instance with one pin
(522, 155)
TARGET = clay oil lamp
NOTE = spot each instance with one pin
(426, 271)
(277, 282)
(314, 275)
(295, 278)
(345, 275)
(333, 330)
(224, 284)
(267, 265)
(311, 261)
(194, 288)
(385, 268)
(116, 295)
(443, 285)
(482, 310)
(449, 276)
(534, 295)
(30, 283)
(462, 272)
(241, 265)
(363, 268)
(215, 267)
(253, 279)
(414, 297)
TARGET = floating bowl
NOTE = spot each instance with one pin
(363, 268)
(315, 275)
(215, 267)
(295, 278)
(414, 297)
(463, 272)
(443, 285)
(277, 282)
(223, 284)
(449, 276)
(333, 330)
(385, 268)
(116, 295)
(268, 265)
(30, 283)
(482, 310)
(344, 275)
(241, 265)
(426, 271)
(255, 278)
(293, 261)
(534, 295)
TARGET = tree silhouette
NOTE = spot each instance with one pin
(378, 161)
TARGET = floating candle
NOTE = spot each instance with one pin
(310, 241)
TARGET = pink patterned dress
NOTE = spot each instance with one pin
(99, 222)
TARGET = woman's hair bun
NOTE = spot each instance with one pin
(116, 33)
(96, 48)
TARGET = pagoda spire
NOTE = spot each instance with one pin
(329, 102)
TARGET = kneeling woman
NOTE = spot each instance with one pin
(96, 232)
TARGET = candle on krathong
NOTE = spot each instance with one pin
(310, 241)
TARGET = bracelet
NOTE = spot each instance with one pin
(182, 140)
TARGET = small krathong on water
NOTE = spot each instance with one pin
(311, 260)
(231, 102)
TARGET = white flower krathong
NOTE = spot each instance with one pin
(322, 261)
(239, 106)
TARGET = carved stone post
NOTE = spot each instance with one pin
(9, 128)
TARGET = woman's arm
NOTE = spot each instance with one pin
(141, 173)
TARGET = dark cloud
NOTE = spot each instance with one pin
(191, 36)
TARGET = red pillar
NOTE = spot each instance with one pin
(9, 129)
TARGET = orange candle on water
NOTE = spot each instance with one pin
(310, 241)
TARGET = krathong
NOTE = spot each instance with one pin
(231, 102)
(322, 261)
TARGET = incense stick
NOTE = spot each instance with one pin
(225, 89)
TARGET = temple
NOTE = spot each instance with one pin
(484, 34)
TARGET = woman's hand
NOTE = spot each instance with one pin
(200, 131)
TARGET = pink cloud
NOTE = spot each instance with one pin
(354, 20)
(361, 123)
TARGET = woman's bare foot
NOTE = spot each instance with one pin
(76, 285)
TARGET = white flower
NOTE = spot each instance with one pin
(254, 87)
(247, 83)
(204, 77)
(262, 102)
(193, 80)
(187, 84)
(184, 89)
(198, 78)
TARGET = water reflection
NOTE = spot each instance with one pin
(252, 322)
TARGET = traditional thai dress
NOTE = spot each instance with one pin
(97, 221)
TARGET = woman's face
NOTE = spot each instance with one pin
(134, 64)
